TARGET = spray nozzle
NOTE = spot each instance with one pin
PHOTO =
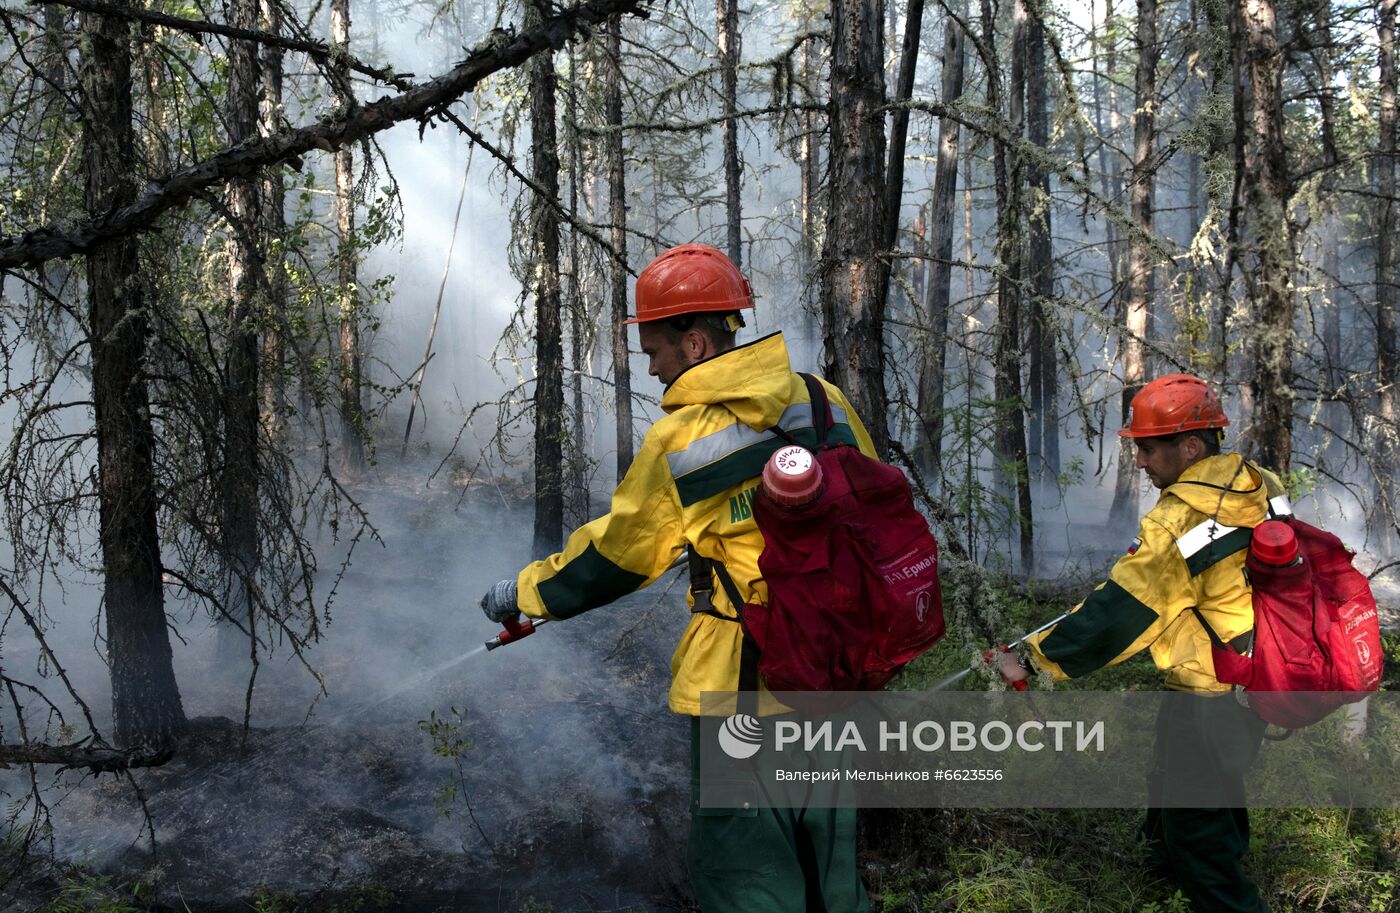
(515, 629)
(991, 657)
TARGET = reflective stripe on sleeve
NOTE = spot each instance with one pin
(1205, 544)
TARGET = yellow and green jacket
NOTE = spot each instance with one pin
(1190, 551)
(693, 482)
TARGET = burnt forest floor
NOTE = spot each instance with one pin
(549, 777)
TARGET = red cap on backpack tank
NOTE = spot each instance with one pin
(792, 476)
(1274, 543)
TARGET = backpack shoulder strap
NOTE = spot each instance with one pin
(1214, 637)
(821, 407)
(748, 647)
(702, 586)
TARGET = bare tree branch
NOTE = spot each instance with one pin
(500, 50)
(313, 49)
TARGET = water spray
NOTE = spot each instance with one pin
(986, 657)
(515, 630)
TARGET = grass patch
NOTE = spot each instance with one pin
(1072, 860)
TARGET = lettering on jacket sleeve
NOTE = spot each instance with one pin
(741, 505)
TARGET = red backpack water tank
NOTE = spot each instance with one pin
(851, 568)
(1317, 638)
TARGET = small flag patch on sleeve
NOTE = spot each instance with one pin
(1134, 546)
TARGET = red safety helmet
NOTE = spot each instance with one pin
(690, 279)
(1172, 404)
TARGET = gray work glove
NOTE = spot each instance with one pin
(499, 601)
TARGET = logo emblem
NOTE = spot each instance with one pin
(741, 736)
(921, 606)
(1363, 652)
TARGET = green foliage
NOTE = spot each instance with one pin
(448, 740)
(1177, 903)
(84, 892)
(446, 734)
(1071, 860)
(1390, 671)
(1327, 859)
(1300, 481)
(974, 483)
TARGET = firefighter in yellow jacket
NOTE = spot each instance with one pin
(1184, 571)
(692, 485)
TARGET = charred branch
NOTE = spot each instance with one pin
(96, 758)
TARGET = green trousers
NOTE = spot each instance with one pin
(1204, 747)
(771, 860)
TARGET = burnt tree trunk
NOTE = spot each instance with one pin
(348, 356)
(617, 214)
(146, 708)
(1387, 361)
(852, 270)
(1010, 438)
(1137, 296)
(727, 20)
(1044, 452)
(938, 290)
(1267, 259)
(549, 333)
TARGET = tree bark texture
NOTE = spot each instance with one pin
(938, 289)
(580, 329)
(1333, 230)
(811, 220)
(1138, 289)
(899, 133)
(549, 330)
(146, 707)
(1044, 447)
(852, 271)
(1125, 486)
(617, 209)
(352, 422)
(274, 227)
(1268, 258)
(55, 47)
(1110, 171)
(1387, 361)
(727, 20)
(1010, 436)
(239, 480)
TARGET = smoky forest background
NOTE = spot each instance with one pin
(310, 330)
